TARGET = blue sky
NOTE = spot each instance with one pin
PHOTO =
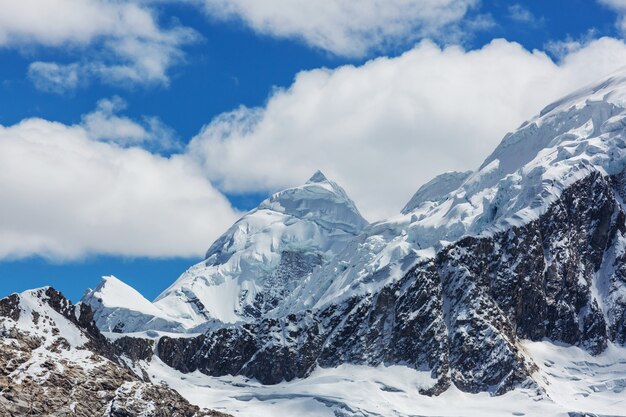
(102, 175)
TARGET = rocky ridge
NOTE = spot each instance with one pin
(55, 362)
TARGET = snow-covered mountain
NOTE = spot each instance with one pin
(120, 308)
(248, 271)
(265, 255)
(574, 138)
(528, 247)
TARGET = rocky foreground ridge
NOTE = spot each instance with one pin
(55, 362)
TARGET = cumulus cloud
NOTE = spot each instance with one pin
(66, 194)
(347, 27)
(132, 46)
(384, 128)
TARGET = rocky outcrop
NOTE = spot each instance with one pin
(134, 348)
(80, 316)
(137, 399)
(55, 362)
(10, 307)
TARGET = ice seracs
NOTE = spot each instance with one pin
(436, 189)
(265, 255)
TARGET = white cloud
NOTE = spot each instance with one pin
(616, 4)
(65, 195)
(53, 77)
(619, 6)
(384, 128)
(521, 14)
(347, 27)
(105, 124)
(133, 47)
(569, 45)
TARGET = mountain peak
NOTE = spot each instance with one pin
(117, 305)
(317, 178)
(113, 292)
(319, 200)
(251, 268)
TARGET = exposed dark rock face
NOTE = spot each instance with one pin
(542, 275)
(65, 379)
(9, 307)
(381, 328)
(134, 348)
(615, 292)
(483, 352)
(461, 315)
(82, 317)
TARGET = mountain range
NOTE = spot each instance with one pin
(503, 288)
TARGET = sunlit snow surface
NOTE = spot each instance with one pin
(118, 306)
(574, 381)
